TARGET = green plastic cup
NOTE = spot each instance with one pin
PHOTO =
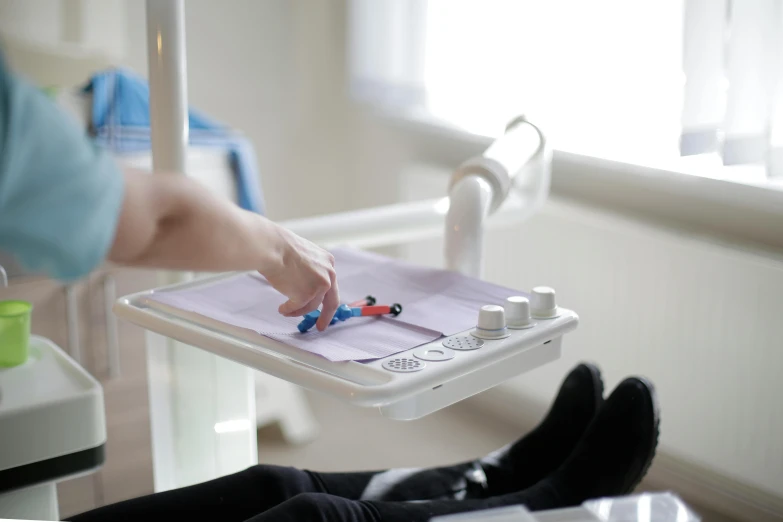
(14, 332)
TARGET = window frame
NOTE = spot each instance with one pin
(726, 211)
(705, 204)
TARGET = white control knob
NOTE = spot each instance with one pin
(491, 323)
(518, 313)
(543, 304)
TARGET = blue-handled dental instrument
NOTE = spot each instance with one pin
(345, 312)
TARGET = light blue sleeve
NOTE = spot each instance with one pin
(60, 194)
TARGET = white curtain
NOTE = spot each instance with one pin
(732, 68)
(631, 80)
(385, 51)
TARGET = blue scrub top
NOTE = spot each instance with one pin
(60, 194)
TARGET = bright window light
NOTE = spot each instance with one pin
(602, 77)
(442, 206)
(232, 426)
(644, 508)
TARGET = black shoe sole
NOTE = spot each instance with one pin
(598, 381)
(654, 436)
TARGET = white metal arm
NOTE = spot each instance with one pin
(511, 179)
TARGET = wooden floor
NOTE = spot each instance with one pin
(360, 439)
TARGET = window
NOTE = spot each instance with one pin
(597, 75)
(642, 81)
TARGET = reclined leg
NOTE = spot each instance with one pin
(235, 497)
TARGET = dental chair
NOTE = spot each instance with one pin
(201, 372)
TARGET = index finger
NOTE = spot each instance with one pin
(330, 304)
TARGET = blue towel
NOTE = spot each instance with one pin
(121, 122)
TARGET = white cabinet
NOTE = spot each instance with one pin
(114, 353)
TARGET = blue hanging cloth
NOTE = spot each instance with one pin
(121, 122)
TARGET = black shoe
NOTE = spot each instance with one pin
(542, 451)
(612, 457)
(514, 467)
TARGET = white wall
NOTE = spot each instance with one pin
(61, 42)
(272, 69)
(38, 20)
(275, 69)
(701, 320)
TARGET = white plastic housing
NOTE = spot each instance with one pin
(399, 395)
(645, 507)
(50, 407)
(519, 161)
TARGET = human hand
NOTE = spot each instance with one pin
(305, 274)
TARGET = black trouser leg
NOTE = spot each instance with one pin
(280, 494)
(320, 507)
(233, 498)
(270, 493)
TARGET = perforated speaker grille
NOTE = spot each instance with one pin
(463, 343)
(404, 365)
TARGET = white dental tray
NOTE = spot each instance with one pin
(405, 386)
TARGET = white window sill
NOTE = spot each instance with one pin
(695, 195)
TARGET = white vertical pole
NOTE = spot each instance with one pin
(469, 205)
(202, 407)
(168, 84)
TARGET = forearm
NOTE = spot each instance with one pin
(171, 222)
(211, 238)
